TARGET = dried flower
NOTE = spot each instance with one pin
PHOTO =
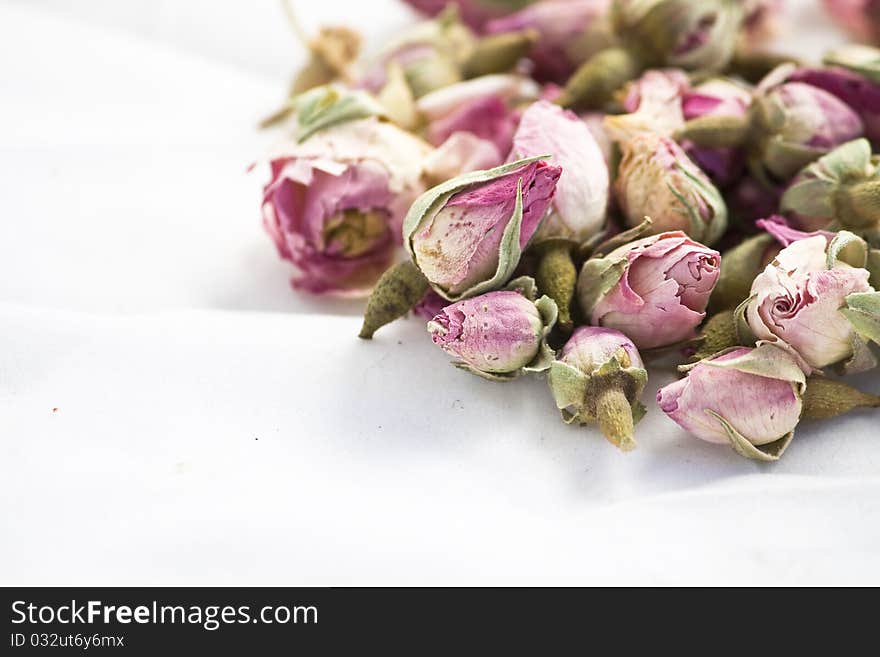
(814, 300)
(860, 93)
(795, 124)
(498, 335)
(749, 398)
(655, 289)
(569, 32)
(657, 179)
(840, 189)
(462, 152)
(717, 98)
(484, 107)
(336, 202)
(578, 210)
(431, 55)
(599, 377)
(467, 235)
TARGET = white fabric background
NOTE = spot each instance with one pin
(213, 427)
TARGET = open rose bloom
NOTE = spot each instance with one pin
(336, 202)
(748, 398)
(654, 290)
(814, 301)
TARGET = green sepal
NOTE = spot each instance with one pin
(598, 276)
(861, 59)
(848, 248)
(766, 360)
(326, 106)
(767, 453)
(599, 246)
(433, 200)
(743, 330)
(863, 312)
(739, 267)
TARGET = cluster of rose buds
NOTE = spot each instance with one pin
(572, 188)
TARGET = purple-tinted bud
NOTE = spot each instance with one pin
(498, 334)
(569, 32)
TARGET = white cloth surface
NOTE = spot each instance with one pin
(173, 413)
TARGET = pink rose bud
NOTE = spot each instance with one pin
(336, 202)
(814, 300)
(581, 200)
(462, 152)
(859, 92)
(655, 289)
(689, 34)
(569, 32)
(797, 123)
(658, 180)
(467, 234)
(861, 18)
(598, 377)
(653, 103)
(745, 397)
(497, 335)
(484, 107)
(717, 97)
(430, 54)
(475, 13)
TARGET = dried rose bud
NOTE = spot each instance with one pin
(484, 107)
(498, 335)
(690, 34)
(599, 377)
(462, 152)
(431, 55)
(475, 13)
(859, 92)
(653, 103)
(569, 32)
(839, 190)
(336, 202)
(748, 398)
(815, 301)
(657, 179)
(467, 234)
(794, 124)
(579, 206)
(717, 98)
(655, 289)
(861, 18)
